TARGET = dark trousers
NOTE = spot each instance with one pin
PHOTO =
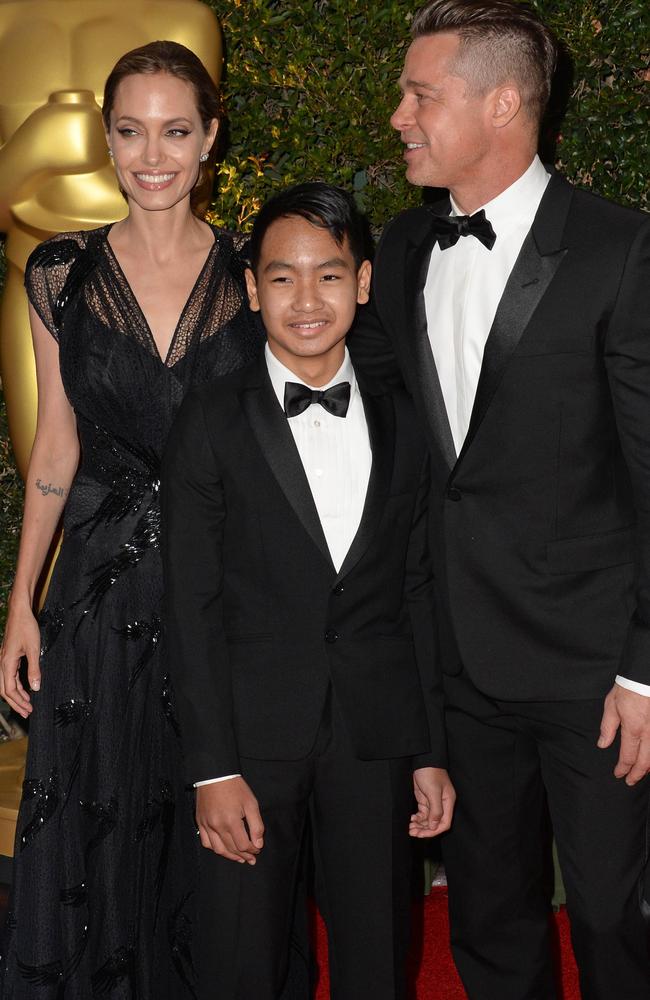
(359, 813)
(515, 765)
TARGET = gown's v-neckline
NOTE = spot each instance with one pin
(145, 322)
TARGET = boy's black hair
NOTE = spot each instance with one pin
(323, 205)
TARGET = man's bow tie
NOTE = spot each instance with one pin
(298, 397)
(450, 228)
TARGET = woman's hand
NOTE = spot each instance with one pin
(22, 638)
(53, 461)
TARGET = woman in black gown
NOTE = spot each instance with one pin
(126, 319)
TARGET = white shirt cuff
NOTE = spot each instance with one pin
(643, 689)
(226, 777)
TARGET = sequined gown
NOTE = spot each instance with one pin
(106, 847)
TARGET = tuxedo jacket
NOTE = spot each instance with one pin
(258, 621)
(540, 527)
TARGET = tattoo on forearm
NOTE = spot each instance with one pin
(47, 488)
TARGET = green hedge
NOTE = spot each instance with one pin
(310, 88)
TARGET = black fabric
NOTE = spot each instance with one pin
(359, 813)
(515, 765)
(298, 397)
(259, 622)
(448, 229)
(104, 874)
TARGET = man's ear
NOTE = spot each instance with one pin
(364, 275)
(506, 105)
(251, 288)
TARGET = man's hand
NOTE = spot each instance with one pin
(630, 711)
(435, 797)
(229, 820)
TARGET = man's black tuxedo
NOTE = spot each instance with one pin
(535, 528)
(540, 528)
(320, 687)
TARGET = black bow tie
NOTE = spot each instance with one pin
(450, 228)
(298, 397)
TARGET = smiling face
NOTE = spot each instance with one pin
(307, 288)
(447, 130)
(157, 138)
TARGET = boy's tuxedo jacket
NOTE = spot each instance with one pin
(258, 620)
(541, 526)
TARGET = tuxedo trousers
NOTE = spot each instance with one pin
(522, 769)
(357, 812)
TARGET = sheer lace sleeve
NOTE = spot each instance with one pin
(46, 275)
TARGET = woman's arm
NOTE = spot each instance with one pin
(52, 465)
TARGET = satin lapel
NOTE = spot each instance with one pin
(426, 373)
(270, 427)
(539, 259)
(380, 417)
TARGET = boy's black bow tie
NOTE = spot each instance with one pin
(298, 397)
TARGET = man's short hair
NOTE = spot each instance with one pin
(325, 206)
(500, 41)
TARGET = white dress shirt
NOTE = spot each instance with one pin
(464, 286)
(336, 456)
(463, 289)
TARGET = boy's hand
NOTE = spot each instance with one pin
(229, 820)
(435, 796)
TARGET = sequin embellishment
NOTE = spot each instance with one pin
(168, 705)
(41, 975)
(134, 632)
(117, 967)
(50, 621)
(47, 795)
(77, 895)
(105, 813)
(70, 712)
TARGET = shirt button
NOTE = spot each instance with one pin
(316, 423)
(318, 472)
(331, 635)
(454, 494)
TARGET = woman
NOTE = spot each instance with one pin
(125, 320)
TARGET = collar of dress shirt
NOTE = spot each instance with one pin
(518, 203)
(279, 374)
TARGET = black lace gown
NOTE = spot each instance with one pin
(106, 846)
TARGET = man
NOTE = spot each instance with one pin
(521, 325)
(300, 625)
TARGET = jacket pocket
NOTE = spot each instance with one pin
(591, 552)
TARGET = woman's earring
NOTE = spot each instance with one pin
(203, 157)
(110, 152)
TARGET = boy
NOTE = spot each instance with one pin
(300, 625)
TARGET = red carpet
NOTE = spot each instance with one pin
(436, 977)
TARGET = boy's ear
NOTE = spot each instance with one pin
(251, 288)
(364, 275)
